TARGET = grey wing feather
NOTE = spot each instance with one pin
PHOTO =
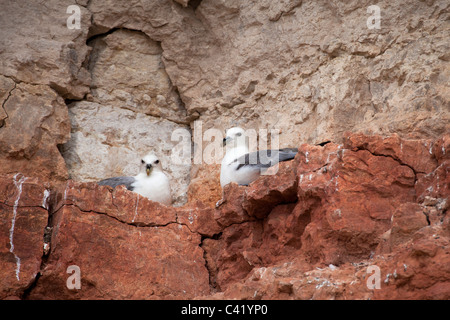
(118, 181)
(266, 158)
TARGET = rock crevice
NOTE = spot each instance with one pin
(80, 105)
(338, 209)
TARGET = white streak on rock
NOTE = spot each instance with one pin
(18, 185)
(65, 192)
(45, 198)
(137, 204)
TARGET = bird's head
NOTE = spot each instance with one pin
(150, 163)
(235, 137)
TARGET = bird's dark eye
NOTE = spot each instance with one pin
(239, 134)
(142, 161)
(157, 161)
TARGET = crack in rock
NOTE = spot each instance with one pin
(3, 121)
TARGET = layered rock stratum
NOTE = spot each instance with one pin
(368, 107)
(311, 231)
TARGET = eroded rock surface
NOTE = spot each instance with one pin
(340, 210)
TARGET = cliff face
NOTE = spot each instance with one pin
(310, 231)
(130, 76)
(82, 104)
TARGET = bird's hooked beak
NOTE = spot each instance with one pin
(148, 169)
(225, 141)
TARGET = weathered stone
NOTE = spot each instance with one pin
(358, 193)
(6, 87)
(99, 148)
(229, 208)
(134, 74)
(417, 154)
(199, 218)
(24, 204)
(130, 89)
(280, 186)
(205, 185)
(350, 203)
(127, 71)
(37, 122)
(407, 219)
(121, 261)
(351, 210)
(37, 46)
(119, 203)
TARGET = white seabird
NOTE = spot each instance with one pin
(243, 167)
(150, 182)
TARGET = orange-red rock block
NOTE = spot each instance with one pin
(310, 231)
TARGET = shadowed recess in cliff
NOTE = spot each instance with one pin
(132, 108)
(6, 88)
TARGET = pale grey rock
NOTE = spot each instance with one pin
(108, 141)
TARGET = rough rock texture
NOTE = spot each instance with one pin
(24, 204)
(126, 246)
(85, 103)
(354, 209)
(38, 48)
(311, 69)
(133, 109)
(122, 261)
(36, 123)
(119, 148)
(314, 230)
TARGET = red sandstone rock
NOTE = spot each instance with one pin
(229, 209)
(413, 272)
(311, 231)
(408, 218)
(417, 154)
(435, 184)
(272, 189)
(346, 201)
(358, 193)
(121, 261)
(205, 185)
(119, 203)
(199, 218)
(23, 217)
(126, 246)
